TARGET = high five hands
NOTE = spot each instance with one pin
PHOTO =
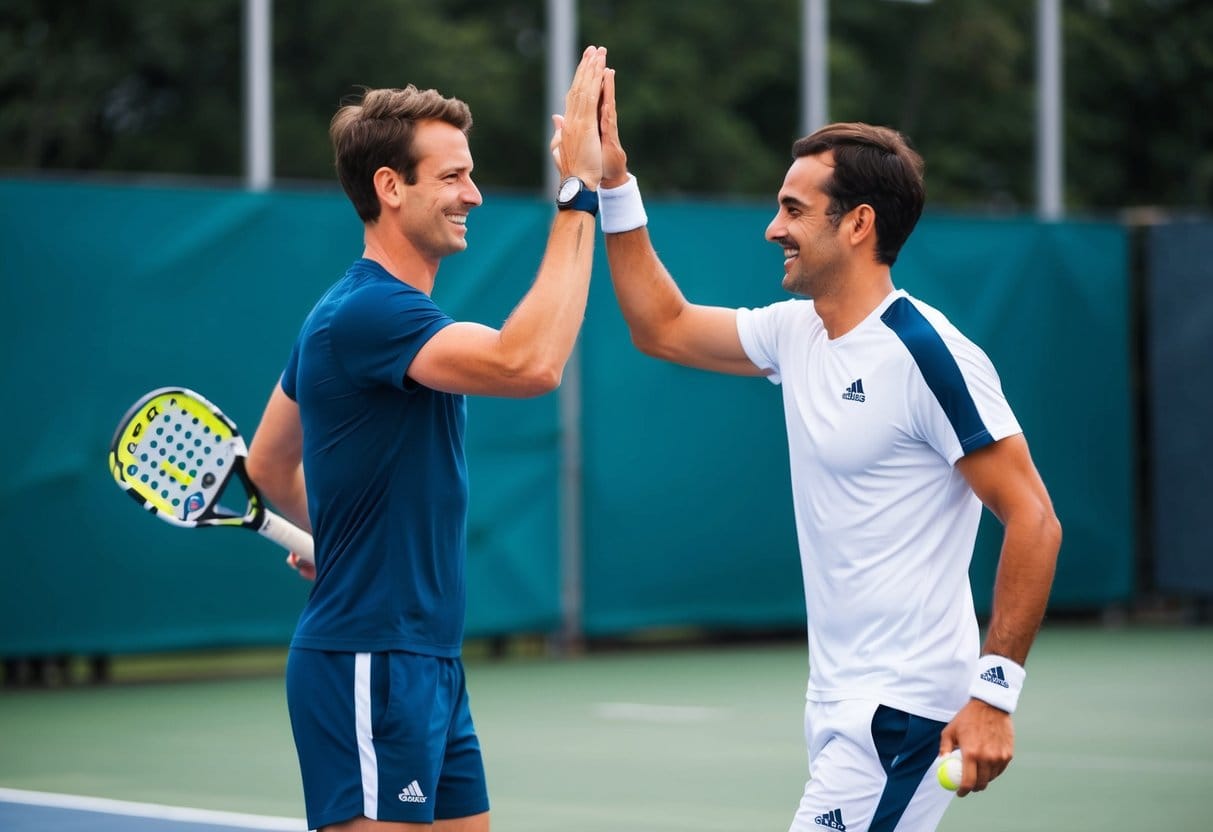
(576, 146)
(594, 156)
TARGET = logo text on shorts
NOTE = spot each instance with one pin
(412, 793)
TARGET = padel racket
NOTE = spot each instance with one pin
(175, 453)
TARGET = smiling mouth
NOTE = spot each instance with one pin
(790, 254)
(460, 220)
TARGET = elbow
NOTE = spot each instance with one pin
(1053, 529)
(650, 345)
(270, 477)
(1047, 529)
(535, 378)
(543, 380)
(1050, 525)
(257, 470)
(644, 344)
(1036, 528)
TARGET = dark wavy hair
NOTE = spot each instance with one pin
(876, 166)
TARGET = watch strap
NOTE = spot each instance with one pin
(586, 200)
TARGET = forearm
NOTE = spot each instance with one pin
(540, 333)
(648, 296)
(537, 339)
(1021, 588)
(287, 493)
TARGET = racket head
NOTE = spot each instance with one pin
(174, 453)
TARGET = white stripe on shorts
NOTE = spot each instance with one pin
(362, 729)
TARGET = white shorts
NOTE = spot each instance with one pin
(871, 769)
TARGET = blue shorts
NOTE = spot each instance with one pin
(872, 770)
(384, 735)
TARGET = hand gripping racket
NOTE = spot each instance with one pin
(175, 453)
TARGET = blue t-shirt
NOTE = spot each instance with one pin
(383, 459)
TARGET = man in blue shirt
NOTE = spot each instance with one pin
(363, 442)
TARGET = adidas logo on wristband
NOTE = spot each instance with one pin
(998, 683)
(995, 675)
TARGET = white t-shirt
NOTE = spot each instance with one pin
(876, 420)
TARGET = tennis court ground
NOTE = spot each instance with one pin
(1115, 731)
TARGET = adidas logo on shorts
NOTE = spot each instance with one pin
(831, 820)
(412, 793)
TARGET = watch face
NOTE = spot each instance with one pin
(568, 189)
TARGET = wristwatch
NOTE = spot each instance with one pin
(574, 195)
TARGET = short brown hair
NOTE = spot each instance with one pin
(876, 166)
(377, 131)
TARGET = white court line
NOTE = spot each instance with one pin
(637, 712)
(151, 810)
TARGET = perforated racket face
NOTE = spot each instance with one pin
(174, 452)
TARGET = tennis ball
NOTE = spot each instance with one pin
(950, 770)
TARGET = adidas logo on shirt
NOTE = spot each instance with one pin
(832, 820)
(412, 793)
(995, 675)
(854, 393)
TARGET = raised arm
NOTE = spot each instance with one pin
(662, 323)
(526, 357)
(1003, 476)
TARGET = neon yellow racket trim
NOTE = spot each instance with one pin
(155, 454)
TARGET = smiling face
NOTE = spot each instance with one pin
(815, 258)
(434, 210)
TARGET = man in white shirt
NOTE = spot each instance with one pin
(898, 433)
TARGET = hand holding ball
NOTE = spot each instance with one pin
(949, 771)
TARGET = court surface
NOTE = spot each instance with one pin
(1115, 731)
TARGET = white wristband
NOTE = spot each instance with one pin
(621, 209)
(999, 681)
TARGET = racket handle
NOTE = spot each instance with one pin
(287, 535)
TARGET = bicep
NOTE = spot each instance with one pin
(469, 358)
(1004, 478)
(705, 337)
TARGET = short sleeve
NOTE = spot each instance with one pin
(985, 387)
(758, 330)
(379, 331)
(290, 376)
(957, 403)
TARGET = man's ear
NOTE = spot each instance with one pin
(389, 187)
(862, 223)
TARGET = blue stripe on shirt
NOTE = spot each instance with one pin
(940, 371)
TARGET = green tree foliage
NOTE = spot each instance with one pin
(137, 85)
(1139, 80)
(957, 78)
(709, 89)
(490, 54)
